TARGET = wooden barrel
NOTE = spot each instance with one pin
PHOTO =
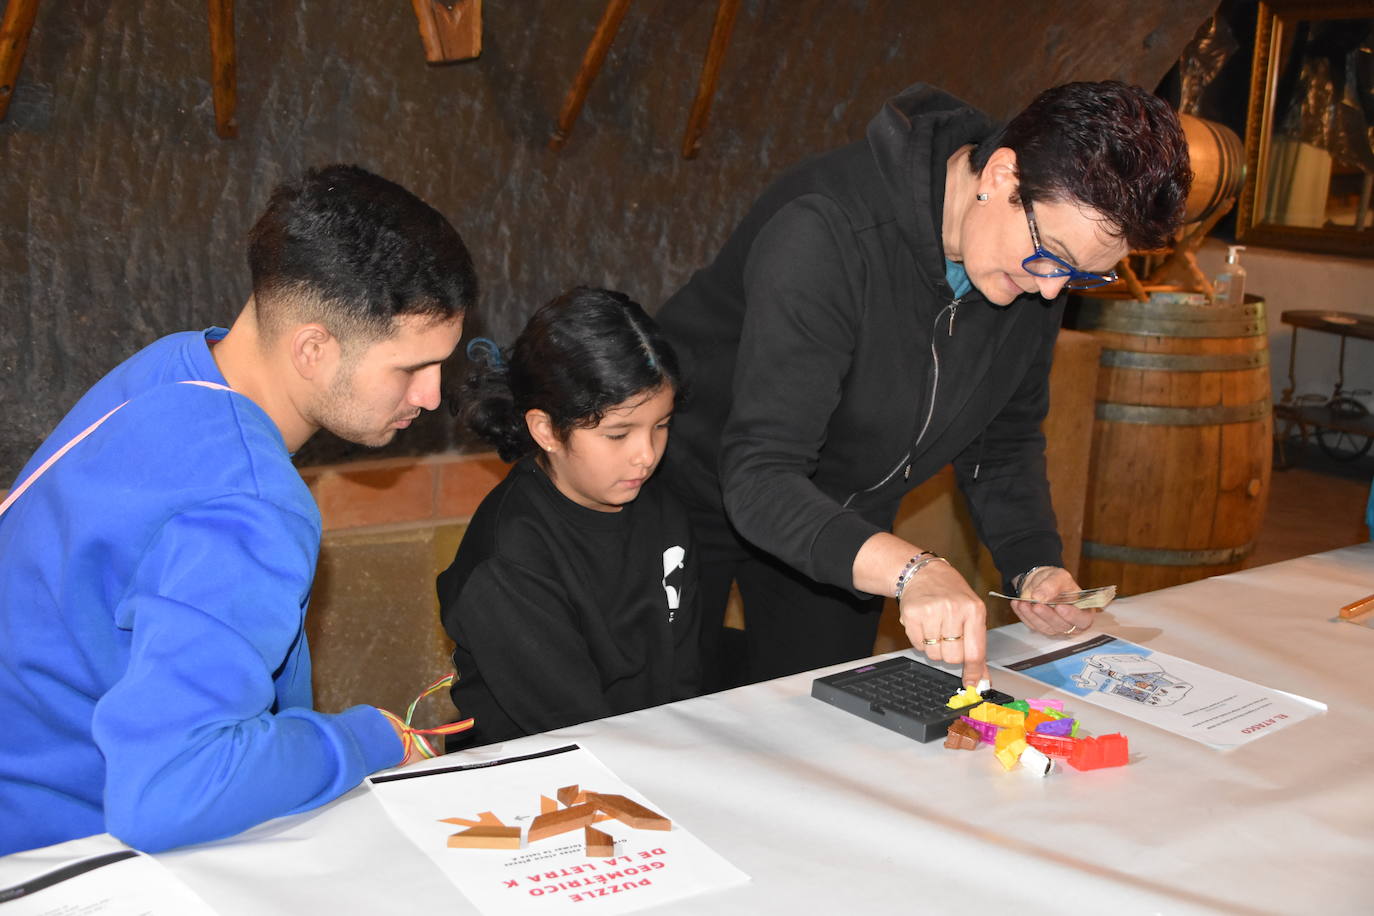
(1218, 162)
(1179, 471)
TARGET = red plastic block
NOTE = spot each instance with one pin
(1052, 745)
(1096, 753)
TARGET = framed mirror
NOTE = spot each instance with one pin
(1309, 136)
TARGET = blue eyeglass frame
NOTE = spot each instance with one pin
(1078, 279)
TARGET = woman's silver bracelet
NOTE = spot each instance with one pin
(913, 566)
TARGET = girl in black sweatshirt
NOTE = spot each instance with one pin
(573, 594)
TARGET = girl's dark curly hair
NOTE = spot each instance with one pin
(582, 354)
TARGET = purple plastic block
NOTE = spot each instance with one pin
(986, 730)
(1042, 704)
(1062, 727)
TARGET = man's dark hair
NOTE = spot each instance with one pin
(1113, 147)
(580, 355)
(354, 251)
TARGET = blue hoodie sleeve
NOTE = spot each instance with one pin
(195, 744)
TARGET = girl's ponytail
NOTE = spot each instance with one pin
(488, 407)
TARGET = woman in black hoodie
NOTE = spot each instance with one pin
(883, 310)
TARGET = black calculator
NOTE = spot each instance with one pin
(901, 694)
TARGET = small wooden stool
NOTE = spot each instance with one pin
(726, 10)
(14, 41)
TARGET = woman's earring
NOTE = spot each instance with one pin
(982, 197)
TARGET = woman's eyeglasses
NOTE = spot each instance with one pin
(1044, 264)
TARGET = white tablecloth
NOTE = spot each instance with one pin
(829, 814)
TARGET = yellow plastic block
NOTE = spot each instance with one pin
(966, 696)
(997, 715)
(1009, 734)
(1009, 755)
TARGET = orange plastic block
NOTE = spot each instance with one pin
(485, 837)
(1007, 735)
(561, 821)
(628, 812)
(568, 796)
(1008, 755)
(997, 715)
(966, 696)
(599, 843)
(1097, 753)
(1052, 745)
(1034, 718)
(962, 736)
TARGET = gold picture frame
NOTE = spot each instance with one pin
(1265, 216)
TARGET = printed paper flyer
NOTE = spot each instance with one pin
(120, 883)
(1168, 692)
(549, 831)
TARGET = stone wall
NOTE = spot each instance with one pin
(122, 214)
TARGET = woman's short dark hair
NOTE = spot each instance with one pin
(580, 355)
(355, 251)
(1113, 147)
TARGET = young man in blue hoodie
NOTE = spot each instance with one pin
(154, 673)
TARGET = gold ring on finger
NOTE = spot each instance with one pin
(950, 638)
(930, 642)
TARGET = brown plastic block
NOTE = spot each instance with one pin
(484, 837)
(962, 736)
(629, 812)
(568, 796)
(547, 804)
(598, 843)
(561, 821)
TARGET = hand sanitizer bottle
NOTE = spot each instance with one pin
(1230, 283)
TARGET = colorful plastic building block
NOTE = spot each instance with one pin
(1020, 706)
(986, 730)
(962, 736)
(1008, 755)
(1053, 745)
(1062, 727)
(997, 715)
(1035, 763)
(1007, 735)
(1034, 718)
(1097, 753)
(966, 696)
(1057, 705)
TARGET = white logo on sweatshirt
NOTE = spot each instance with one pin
(672, 563)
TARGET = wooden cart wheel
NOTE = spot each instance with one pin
(1341, 444)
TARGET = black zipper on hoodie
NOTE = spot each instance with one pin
(934, 389)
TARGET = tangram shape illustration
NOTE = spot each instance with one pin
(570, 808)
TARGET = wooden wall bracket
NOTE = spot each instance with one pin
(451, 30)
(224, 80)
(595, 56)
(14, 41)
(18, 24)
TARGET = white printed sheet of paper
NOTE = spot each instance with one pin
(120, 883)
(1168, 692)
(500, 801)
